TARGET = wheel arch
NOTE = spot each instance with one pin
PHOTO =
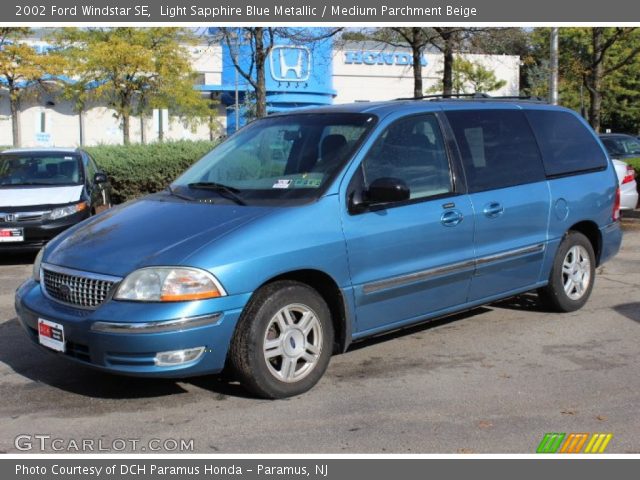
(590, 230)
(328, 289)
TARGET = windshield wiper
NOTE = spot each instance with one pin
(179, 195)
(27, 184)
(225, 191)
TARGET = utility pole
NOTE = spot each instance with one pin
(237, 94)
(553, 74)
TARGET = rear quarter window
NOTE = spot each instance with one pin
(498, 148)
(567, 145)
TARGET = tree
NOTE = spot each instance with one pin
(24, 71)
(448, 37)
(535, 64)
(417, 38)
(260, 42)
(471, 77)
(468, 73)
(134, 70)
(447, 40)
(603, 41)
(593, 57)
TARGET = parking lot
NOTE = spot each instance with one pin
(495, 379)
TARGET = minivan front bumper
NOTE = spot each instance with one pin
(126, 337)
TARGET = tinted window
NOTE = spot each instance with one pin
(567, 145)
(498, 148)
(622, 146)
(411, 149)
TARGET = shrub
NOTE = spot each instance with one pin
(635, 163)
(136, 170)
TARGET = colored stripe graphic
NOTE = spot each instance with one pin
(574, 443)
(598, 443)
(550, 442)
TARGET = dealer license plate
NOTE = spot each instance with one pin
(51, 335)
(11, 235)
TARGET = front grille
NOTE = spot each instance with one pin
(30, 216)
(84, 290)
(23, 217)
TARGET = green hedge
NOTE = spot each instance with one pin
(635, 163)
(136, 170)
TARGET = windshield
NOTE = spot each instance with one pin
(291, 157)
(622, 146)
(42, 169)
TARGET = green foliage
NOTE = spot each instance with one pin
(468, 75)
(24, 71)
(134, 70)
(635, 163)
(21, 66)
(136, 170)
(471, 77)
(620, 89)
(535, 64)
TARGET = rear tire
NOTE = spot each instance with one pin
(572, 276)
(283, 340)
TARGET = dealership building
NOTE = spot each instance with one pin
(323, 73)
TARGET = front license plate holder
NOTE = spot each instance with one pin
(51, 335)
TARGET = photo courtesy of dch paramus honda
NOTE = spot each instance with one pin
(309, 230)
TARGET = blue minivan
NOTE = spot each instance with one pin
(306, 231)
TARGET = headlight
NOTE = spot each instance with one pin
(36, 265)
(169, 284)
(60, 212)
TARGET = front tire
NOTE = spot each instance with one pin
(283, 340)
(572, 276)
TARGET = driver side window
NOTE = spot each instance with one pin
(412, 150)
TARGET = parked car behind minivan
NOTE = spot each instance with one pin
(623, 148)
(44, 191)
(307, 231)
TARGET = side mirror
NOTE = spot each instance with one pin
(100, 178)
(387, 190)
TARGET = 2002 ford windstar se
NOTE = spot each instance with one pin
(306, 231)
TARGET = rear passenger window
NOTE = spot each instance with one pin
(498, 148)
(411, 149)
(567, 145)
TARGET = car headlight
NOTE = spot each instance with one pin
(169, 284)
(36, 265)
(61, 212)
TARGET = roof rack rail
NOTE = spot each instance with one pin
(476, 96)
(448, 95)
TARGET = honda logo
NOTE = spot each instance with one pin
(10, 217)
(290, 64)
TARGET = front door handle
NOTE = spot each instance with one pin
(451, 218)
(493, 209)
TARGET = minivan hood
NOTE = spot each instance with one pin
(156, 230)
(26, 197)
